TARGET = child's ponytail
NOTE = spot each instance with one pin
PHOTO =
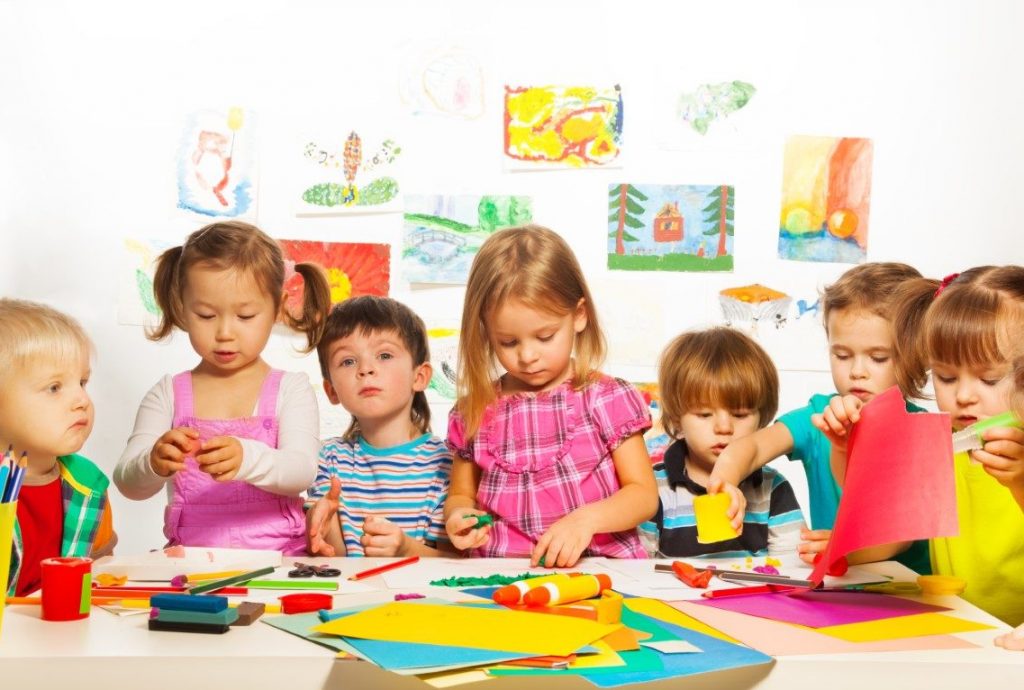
(316, 303)
(167, 291)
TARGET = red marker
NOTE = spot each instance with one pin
(562, 592)
(384, 568)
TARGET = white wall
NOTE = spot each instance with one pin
(93, 96)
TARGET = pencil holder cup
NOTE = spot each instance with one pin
(67, 588)
(8, 511)
(712, 523)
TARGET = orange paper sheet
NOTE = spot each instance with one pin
(899, 480)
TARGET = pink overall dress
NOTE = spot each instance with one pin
(234, 514)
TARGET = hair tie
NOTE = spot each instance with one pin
(945, 282)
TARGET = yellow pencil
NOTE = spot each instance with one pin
(182, 580)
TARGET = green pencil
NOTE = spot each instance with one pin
(228, 581)
(292, 584)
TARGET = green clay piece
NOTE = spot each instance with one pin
(483, 520)
(489, 581)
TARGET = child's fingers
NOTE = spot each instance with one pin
(335, 491)
(540, 551)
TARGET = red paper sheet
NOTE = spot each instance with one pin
(899, 480)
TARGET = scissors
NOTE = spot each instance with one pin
(309, 570)
(897, 588)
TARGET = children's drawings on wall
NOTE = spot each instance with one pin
(443, 80)
(444, 351)
(826, 195)
(216, 164)
(352, 269)
(562, 126)
(136, 304)
(655, 438)
(711, 103)
(443, 233)
(788, 330)
(349, 174)
(670, 227)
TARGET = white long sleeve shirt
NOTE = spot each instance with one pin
(288, 469)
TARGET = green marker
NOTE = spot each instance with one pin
(970, 438)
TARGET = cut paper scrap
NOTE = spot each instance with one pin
(903, 626)
(781, 639)
(403, 658)
(461, 626)
(605, 657)
(820, 609)
(718, 655)
(452, 679)
(673, 647)
(917, 500)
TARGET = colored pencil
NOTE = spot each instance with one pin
(384, 568)
(214, 585)
(295, 583)
(199, 577)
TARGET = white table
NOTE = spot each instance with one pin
(105, 651)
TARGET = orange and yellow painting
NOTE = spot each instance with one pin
(562, 126)
(353, 269)
(826, 197)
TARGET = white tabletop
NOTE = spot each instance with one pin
(106, 651)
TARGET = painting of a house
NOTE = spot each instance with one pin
(668, 223)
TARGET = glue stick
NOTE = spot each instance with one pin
(512, 594)
(574, 589)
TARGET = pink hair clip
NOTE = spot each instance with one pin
(945, 282)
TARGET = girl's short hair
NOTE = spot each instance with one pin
(974, 318)
(245, 248)
(367, 315)
(878, 288)
(31, 331)
(534, 265)
(716, 367)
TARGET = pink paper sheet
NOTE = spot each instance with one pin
(781, 639)
(820, 609)
(899, 482)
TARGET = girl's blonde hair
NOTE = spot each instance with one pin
(535, 266)
(715, 367)
(244, 248)
(369, 315)
(30, 331)
(877, 288)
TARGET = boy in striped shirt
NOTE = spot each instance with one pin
(717, 385)
(380, 488)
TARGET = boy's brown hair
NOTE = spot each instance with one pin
(716, 367)
(369, 314)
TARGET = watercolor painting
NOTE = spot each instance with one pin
(444, 352)
(136, 304)
(711, 103)
(216, 164)
(443, 80)
(670, 227)
(826, 195)
(655, 438)
(562, 126)
(353, 269)
(442, 234)
(353, 174)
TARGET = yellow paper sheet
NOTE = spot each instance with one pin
(531, 634)
(664, 612)
(902, 626)
(451, 679)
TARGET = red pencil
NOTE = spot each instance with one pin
(384, 568)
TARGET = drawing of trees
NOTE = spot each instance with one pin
(625, 207)
(718, 215)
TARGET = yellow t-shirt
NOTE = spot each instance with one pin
(989, 552)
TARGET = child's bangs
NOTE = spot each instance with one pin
(966, 335)
(725, 387)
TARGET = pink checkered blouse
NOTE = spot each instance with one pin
(544, 455)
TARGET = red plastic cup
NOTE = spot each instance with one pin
(67, 588)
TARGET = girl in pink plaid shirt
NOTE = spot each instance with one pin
(552, 449)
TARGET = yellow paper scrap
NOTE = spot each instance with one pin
(531, 634)
(664, 612)
(917, 625)
(451, 679)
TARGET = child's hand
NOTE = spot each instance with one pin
(563, 543)
(813, 543)
(381, 537)
(220, 457)
(169, 451)
(1003, 456)
(836, 419)
(321, 519)
(737, 501)
(463, 534)
(1013, 640)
